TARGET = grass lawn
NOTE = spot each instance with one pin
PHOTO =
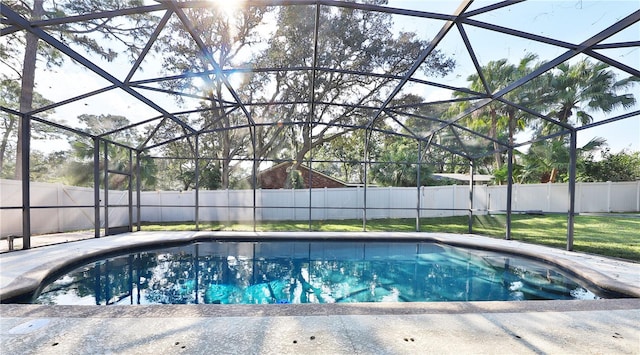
(615, 236)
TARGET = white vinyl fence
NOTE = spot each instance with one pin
(343, 203)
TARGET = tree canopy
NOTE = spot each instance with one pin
(355, 89)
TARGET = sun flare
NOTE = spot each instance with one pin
(227, 7)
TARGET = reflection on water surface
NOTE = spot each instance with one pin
(310, 272)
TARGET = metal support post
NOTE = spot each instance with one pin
(25, 121)
(254, 175)
(419, 166)
(96, 186)
(197, 177)
(130, 190)
(138, 188)
(312, 106)
(364, 200)
(509, 192)
(310, 186)
(471, 196)
(106, 188)
(572, 188)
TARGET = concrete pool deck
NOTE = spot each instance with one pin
(590, 327)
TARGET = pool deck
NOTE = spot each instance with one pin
(586, 327)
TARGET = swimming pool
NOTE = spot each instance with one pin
(280, 272)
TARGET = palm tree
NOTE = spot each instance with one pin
(545, 160)
(575, 89)
(528, 95)
(583, 88)
(496, 74)
(497, 116)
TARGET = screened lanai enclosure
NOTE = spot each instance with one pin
(257, 115)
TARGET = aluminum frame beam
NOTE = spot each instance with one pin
(42, 35)
(207, 53)
(423, 55)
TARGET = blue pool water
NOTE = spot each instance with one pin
(310, 272)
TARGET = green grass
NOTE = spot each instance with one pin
(615, 236)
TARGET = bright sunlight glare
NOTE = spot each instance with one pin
(228, 7)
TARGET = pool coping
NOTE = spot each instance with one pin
(313, 309)
(23, 271)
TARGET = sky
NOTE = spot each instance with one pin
(580, 19)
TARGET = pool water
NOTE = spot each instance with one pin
(310, 272)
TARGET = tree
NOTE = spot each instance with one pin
(583, 88)
(9, 97)
(343, 156)
(77, 32)
(623, 166)
(434, 153)
(497, 117)
(546, 161)
(80, 165)
(398, 165)
(27, 78)
(360, 41)
(287, 131)
(226, 39)
(579, 90)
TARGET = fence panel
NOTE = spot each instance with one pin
(241, 205)
(622, 198)
(378, 201)
(213, 205)
(460, 199)
(301, 206)
(594, 197)
(317, 204)
(344, 203)
(179, 206)
(150, 212)
(277, 205)
(532, 197)
(559, 198)
(341, 203)
(480, 199)
(438, 200)
(405, 198)
(10, 196)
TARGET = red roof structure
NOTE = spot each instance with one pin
(276, 177)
